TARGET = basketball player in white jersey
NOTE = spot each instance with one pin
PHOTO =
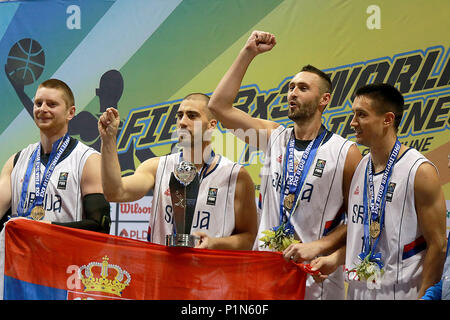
(396, 213)
(56, 180)
(225, 211)
(313, 208)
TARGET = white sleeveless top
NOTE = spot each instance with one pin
(62, 200)
(214, 209)
(401, 243)
(321, 205)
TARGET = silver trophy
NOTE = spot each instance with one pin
(183, 184)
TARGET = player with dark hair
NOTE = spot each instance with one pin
(225, 210)
(325, 85)
(396, 211)
(388, 97)
(298, 202)
(56, 180)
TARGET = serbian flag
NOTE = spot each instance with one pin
(44, 261)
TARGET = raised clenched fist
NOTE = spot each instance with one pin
(260, 41)
(108, 124)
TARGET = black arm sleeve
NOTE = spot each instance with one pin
(4, 218)
(96, 214)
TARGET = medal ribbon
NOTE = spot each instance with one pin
(41, 187)
(377, 208)
(293, 183)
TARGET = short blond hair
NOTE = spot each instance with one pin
(60, 85)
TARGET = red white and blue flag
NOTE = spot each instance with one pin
(44, 261)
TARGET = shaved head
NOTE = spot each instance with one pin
(201, 97)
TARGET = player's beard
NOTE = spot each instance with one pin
(302, 112)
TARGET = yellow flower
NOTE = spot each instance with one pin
(277, 240)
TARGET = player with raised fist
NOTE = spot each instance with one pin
(314, 166)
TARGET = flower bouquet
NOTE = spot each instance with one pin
(278, 238)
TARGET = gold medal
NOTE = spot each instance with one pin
(374, 229)
(289, 201)
(37, 213)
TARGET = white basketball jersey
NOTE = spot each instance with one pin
(62, 200)
(401, 243)
(214, 209)
(321, 199)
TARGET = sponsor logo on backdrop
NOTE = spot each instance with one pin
(134, 208)
(131, 219)
(138, 210)
(132, 231)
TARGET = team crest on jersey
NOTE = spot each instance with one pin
(62, 181)
(390, 191)
(212, 196)
(318, 170)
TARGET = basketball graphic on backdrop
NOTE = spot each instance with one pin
(26, 61)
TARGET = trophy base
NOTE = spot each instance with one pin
(181, 240)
